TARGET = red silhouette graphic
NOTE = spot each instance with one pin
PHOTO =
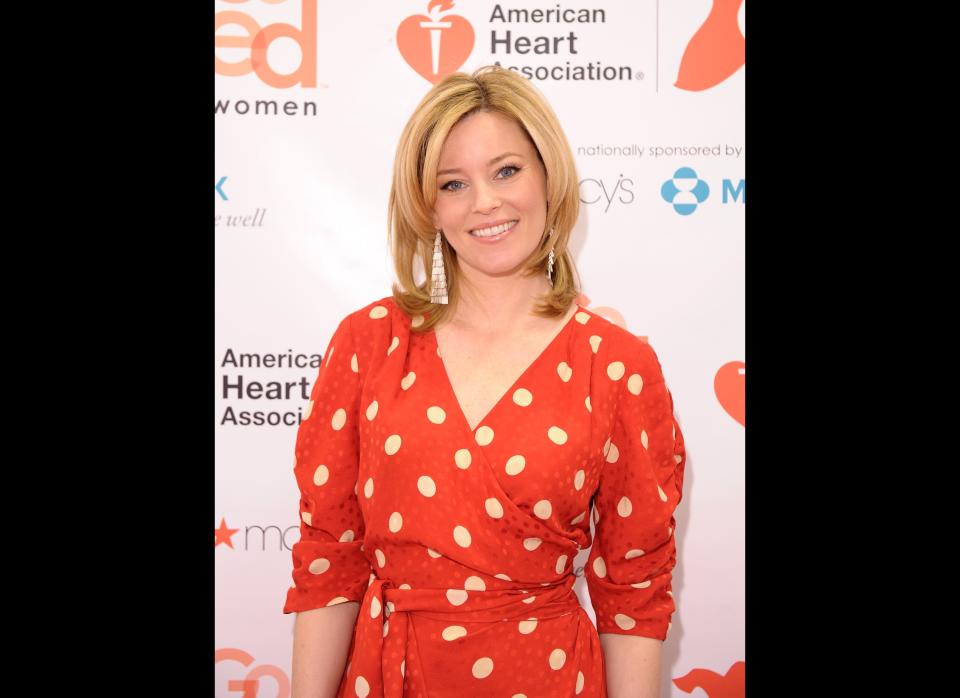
(716, 51)
(437, 45)
(730, 386)
(716, 686)
(222, 534)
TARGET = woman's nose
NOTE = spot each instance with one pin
(486, 198)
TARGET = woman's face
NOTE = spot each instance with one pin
(489, 173)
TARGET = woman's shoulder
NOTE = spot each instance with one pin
(378, 324)
(618, 349)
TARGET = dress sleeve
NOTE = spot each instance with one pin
(629, 570)
(329, 566)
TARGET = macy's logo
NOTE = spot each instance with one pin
(249, 685)
(223, 535)
(435, 45)
(256, 40)
(716, 50)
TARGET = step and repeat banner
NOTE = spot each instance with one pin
(310, 100)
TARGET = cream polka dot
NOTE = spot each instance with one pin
(543, 509)
(670, 594)
(596, 514)
(319, 566)
(426, 485)
(474, 583)
(339, 419)
(433, 553)
(677, 458)
(403, 667)
(436, 414)
(531, 543)
(354, 366)
(396, 522)
(632, 553)
(372, 410)
(635, 383)
(557, 435)
(494, 508)
(527, 626)
(663, 495)
(453, 632)
(404, 586)
(337, 600)
(613, 454)
(615, 370)
(515, 464)
(587, 403)
(578, 519)
(462, 536)
(457, 597)
(394, 343)
(606, 447)
(381, 558)
(483, 667)
(307, 517)
(416, 321)
(582, 317)
(578, 480)
(530, 599)
(374, 607)
(579, 682)
(307, 413)
(522, 397)
(561, 564)
(408, 380)
(600, 567)
(368, 488)
(641, 585)
(624, 507)
(346, 536)
(386, 627)
(564, 371)
(557, 659)
(392, 444)
(502, 576)
(360, 686)
(595, 342)
(484, 435)
(377, 312)
(462, 458)
(321, 475)
(389, 609)
(643, 438)
(624, 621)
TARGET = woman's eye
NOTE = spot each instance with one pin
(448, 186)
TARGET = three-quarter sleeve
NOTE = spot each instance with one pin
(630, 566)
(329, 566)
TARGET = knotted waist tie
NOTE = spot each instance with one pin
(383, 624)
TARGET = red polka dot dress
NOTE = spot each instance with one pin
(457, 543)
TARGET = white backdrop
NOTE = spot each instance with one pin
(302, 182)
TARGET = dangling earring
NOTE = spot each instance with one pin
(438, 284)
(550, 260)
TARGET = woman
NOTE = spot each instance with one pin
(460, 430)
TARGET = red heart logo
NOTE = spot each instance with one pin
(730, 386)
(417, 43)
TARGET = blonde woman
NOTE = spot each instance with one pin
(464, 432)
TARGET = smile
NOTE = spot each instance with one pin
(497, 232)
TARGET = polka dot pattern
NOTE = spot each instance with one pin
(466, 520)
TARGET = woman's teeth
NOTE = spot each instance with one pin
(496, 230)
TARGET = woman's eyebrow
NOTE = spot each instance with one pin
(492, 162)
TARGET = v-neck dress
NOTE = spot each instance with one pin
(458, 543)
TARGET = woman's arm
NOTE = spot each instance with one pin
(321, 639)
(632, 665)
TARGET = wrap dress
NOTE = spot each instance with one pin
(458, 544)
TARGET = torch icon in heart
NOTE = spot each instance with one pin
(435, 45)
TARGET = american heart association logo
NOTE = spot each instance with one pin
(435, 45)
(730, 386)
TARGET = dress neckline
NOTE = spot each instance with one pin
(513, 386)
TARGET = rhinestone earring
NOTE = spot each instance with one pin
(438, 284)
(550, 260)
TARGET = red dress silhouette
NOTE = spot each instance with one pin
(458, 543)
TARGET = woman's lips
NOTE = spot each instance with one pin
(498, 236)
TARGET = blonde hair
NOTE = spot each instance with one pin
(413, 192)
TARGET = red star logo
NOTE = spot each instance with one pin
(222, 534)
